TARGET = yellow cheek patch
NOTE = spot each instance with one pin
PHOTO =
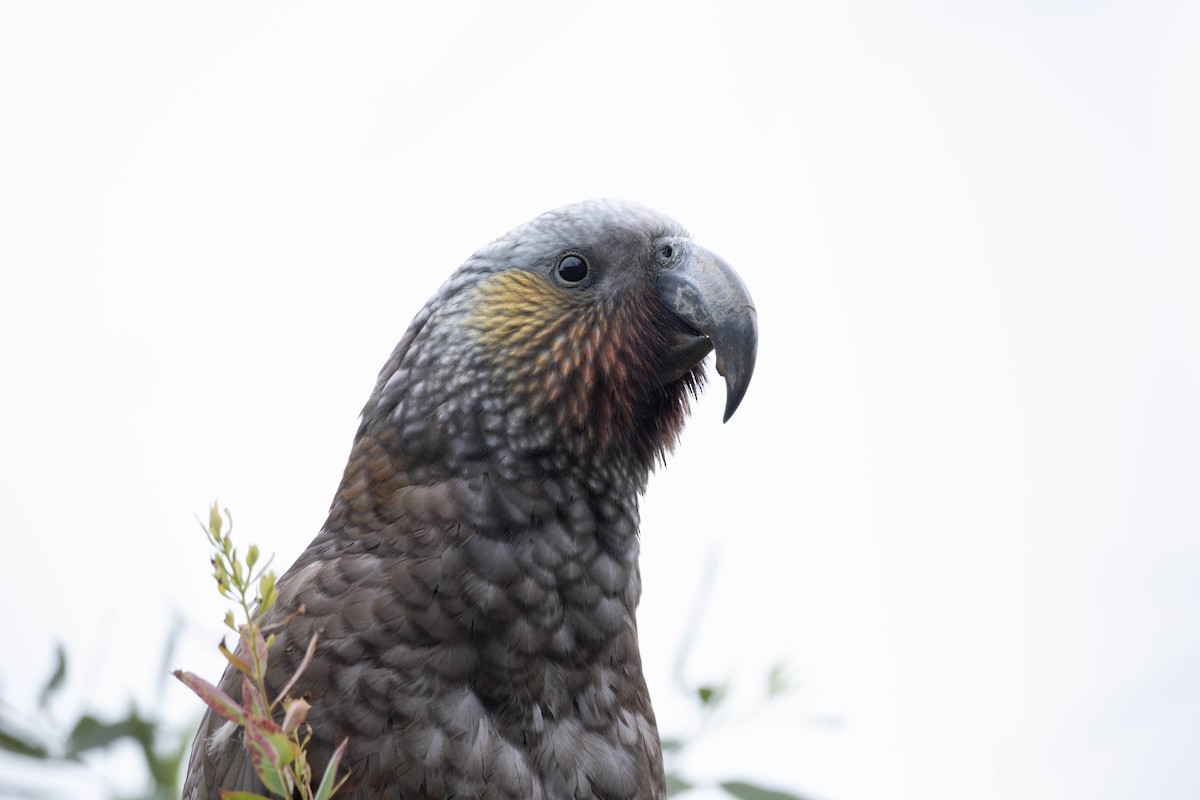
(542, 337)
(522, 312)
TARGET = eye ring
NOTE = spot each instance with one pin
(572, 269)
(668, 252)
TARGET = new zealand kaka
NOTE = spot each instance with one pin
(475, 585)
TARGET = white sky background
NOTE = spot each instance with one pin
(961, 499)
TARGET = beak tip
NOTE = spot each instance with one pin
(734, 392)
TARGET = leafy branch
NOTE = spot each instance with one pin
(278, 750)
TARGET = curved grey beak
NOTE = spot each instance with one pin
(709, 296)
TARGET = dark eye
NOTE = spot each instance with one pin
(666, 253)
(572, 268)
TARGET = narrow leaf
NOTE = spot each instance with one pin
(214, 520)
(329, 782)
(228, 795)
(261, 643)
(308, 657)
(254, 644)
(252, 700)
(56, 679)
(240, 664)
(16, 744)
(217, 700)
(266, 591)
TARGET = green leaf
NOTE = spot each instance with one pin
(266, 591)
(748, 791)
(676, 784)
(56, 679)
(236, 661)
(228, 795)
(711, 695)
(91, 733)
(270, 753)
(329, 782)
(17, 744)
(252, 556)
(214, 520)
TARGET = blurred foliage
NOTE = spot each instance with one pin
(42, 740)
(46, 742)
(710, 699)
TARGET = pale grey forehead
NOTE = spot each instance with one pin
(604, 215)
(592, 223)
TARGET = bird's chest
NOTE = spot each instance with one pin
(542, 603)
(546, 615)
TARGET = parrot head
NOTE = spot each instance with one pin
(575, 337)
